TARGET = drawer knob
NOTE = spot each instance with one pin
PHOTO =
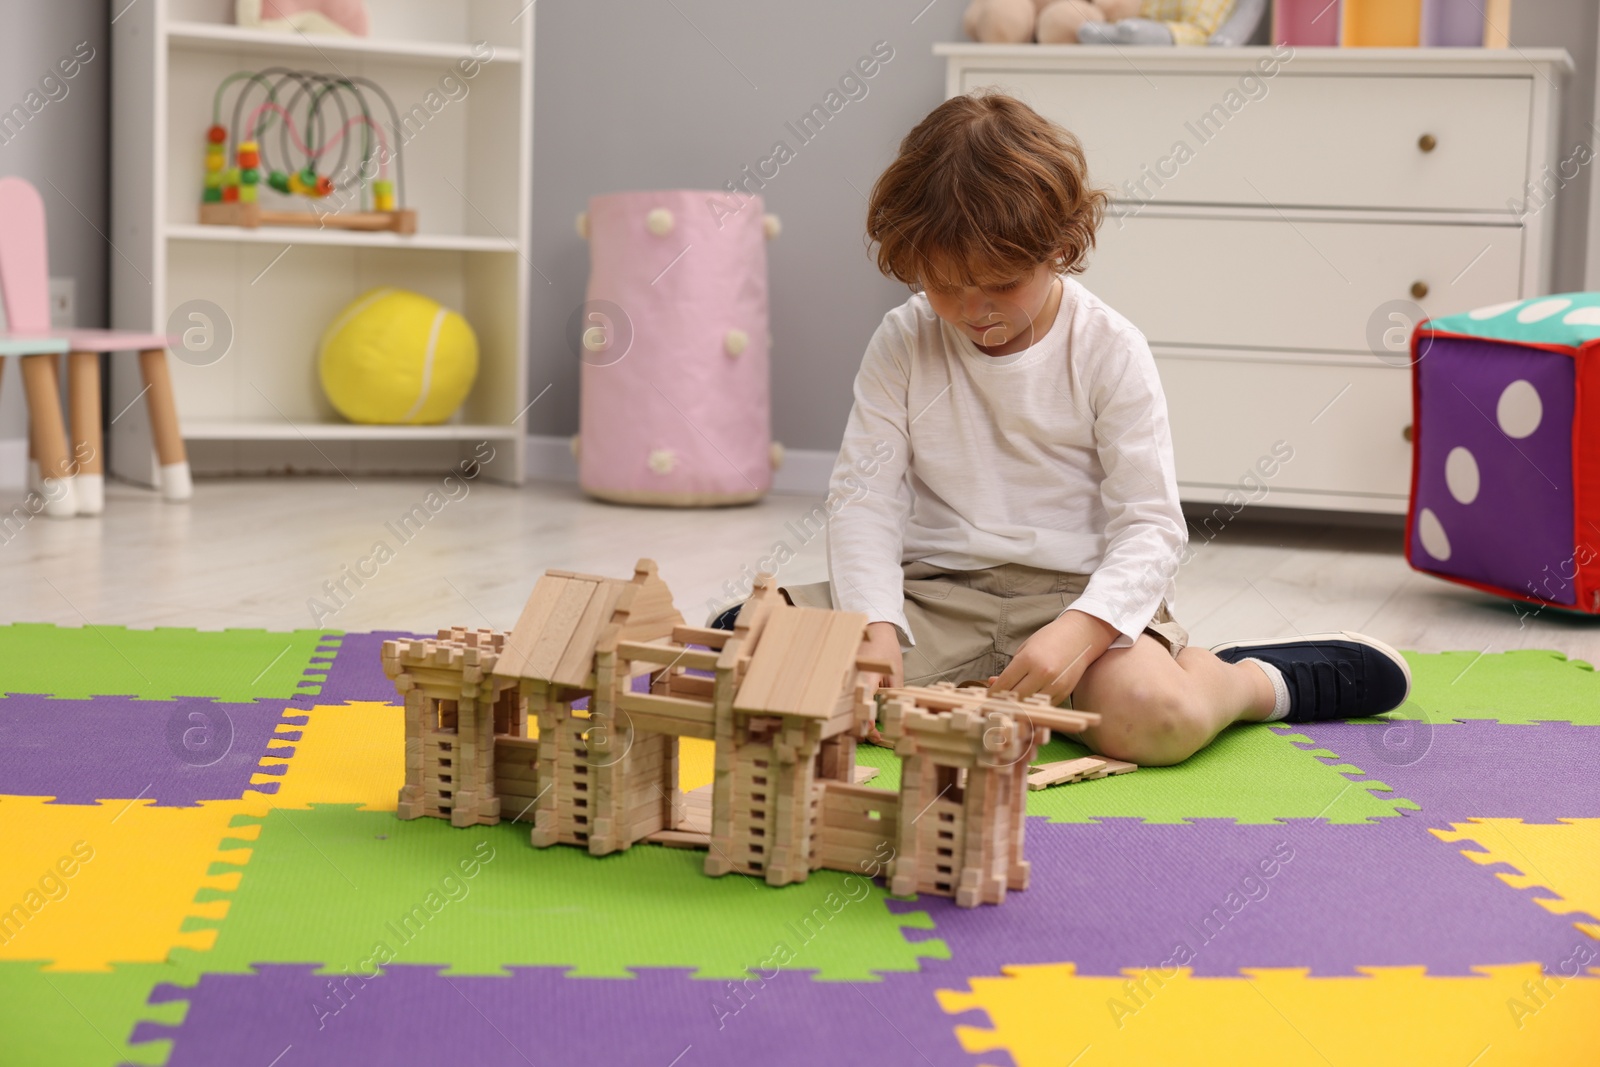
(1427, 142)
(1406, 433)
(1419, 290)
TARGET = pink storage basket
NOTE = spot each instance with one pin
(675, 407)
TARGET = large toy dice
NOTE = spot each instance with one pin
(675, 406)
(1505, 488)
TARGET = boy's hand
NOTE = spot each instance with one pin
(1053, 660)
(882, 643)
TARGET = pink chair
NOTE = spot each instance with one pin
(74, 479)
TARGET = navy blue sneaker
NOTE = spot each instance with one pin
(1331, 676)
(726, 619)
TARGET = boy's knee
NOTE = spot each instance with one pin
(1163, 725)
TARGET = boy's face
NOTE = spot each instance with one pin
(999, 315)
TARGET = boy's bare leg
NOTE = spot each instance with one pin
(1158, 710)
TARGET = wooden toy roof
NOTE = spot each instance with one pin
(802, 662)
(571, 616)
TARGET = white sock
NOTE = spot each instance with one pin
(1280, 690)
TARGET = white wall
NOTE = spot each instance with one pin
(682, 95)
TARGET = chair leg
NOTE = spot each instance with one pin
(83, 399)
(175, 481)
(49, 436)
(35, 483)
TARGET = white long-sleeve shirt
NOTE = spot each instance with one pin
(1057, 457)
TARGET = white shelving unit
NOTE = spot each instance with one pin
(467, 158)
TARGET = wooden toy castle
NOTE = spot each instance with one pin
(780, 696)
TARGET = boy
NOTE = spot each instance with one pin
(1025, 528)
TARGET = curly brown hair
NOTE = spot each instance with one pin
(984, 190)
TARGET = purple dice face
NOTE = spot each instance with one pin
(1494, 500)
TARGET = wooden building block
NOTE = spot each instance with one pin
(701, 635)
(1073, 770)
(1077, 770)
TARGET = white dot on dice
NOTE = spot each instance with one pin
(1431, 531)
(1461, 475)
(1543, 309)
(1492, 310)
(1520, 410)
(1588, 316)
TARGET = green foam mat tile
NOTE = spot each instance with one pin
(1249, 774)
(232, 666)
(1522, 686)
(343, 887)
(56, 1018)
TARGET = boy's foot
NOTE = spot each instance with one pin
(726, 618)
(1330, 676)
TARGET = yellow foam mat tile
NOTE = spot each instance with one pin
(1507, 1015)
(85, 886)
(1562, 857)
(347, 754)
(696, 763)
(355, 754)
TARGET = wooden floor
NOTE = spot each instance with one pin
(290, 553)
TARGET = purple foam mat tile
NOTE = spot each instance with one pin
(415, 1014)
(1121, 894)
(356, 673)
(356, 670)
(1477, 769)
(177, 752)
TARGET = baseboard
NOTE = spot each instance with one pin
(804, 472)
(549, 459)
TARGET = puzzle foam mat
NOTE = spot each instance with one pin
(201, 865)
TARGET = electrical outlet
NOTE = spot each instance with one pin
(63, 303)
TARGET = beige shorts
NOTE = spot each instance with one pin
(968, 624)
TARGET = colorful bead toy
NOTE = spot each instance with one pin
(312, 115)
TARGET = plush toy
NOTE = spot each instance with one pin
(675, 394)
(394, 357)
(347, 17)
(1505, 477)
(1123, 22)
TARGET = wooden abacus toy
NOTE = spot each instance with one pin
(358, 185)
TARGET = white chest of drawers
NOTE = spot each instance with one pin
(1282, 217)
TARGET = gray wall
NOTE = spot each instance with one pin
(658, 94)
(1575, 26)
(62, 149)
(630, 95)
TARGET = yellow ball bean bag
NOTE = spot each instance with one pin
(395, 357)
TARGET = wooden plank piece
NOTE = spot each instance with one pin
(553, 641)
(668, 655)
(530, 625)
(1076, 770)
(1045, 774)
(799, 670)
(681, 839)
(832, 661)
(578, 659)
(701, 635)
(777, 632)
